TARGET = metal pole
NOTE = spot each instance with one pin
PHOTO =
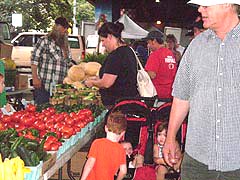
(75, 29)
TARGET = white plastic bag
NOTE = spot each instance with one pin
(144, 82)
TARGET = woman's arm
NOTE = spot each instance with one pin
(105, 82)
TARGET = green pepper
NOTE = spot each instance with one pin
(34, 158)
(31, 144)
(4, 150)
(13, 154)
(25, 155)
(16, 143)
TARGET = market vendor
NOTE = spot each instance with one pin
(50, 61)
(118, 74)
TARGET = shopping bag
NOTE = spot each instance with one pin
(144, 82)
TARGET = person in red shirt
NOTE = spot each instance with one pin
(161, 65)
(106, 155)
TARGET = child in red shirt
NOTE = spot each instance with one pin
(106, 155)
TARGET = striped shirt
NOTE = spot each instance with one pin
(209, 78)
(48, 57)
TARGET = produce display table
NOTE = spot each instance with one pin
(66, 156)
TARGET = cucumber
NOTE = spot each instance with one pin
(25, 155)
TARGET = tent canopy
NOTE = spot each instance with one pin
(131, 29)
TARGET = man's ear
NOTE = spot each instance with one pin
(106, 128)
(154, 41)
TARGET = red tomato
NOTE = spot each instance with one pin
(29, 136)
(54, 147)
(27, 120)
(58, 117)
(80, 117)
(72, 114)
(59, 143)
(42, 133)
(66, 135)
(41, 116)
(31, 108)
(10, 124)
(46, 146)
(59, 134)
(76, 128)
(64, 114)
(91, 118)
(86, 112)
(19, 127)
(49, 111)
(67, 129)
(17, 115)
(39, 125)
(69, 120)
(20, 133)
(50, 119)
(6, 118)
(79, 124)
(46, 113)
(49, 125)
(52, 129)
(2, 126)
(59, 126)
(51, 139)
(46, 118)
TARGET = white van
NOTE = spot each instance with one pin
(23, 45)
(92, 44)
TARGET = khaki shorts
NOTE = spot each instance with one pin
(191, 169)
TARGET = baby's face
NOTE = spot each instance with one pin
(128, 148)
(161, 137)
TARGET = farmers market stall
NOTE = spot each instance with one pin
(45, 137)
(38, 140)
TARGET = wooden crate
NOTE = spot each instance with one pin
(50, 162)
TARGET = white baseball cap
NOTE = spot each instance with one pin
(213, 2)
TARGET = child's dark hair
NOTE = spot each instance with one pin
(116, 122)
(163, 125)
(124, 141)
(114, 29)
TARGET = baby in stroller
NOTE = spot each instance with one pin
(133, 159)
(161, 167)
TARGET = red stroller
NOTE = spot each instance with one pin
(142, 119)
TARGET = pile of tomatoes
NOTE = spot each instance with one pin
(64, 125)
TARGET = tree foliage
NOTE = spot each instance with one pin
(40, 14)
(85, 11)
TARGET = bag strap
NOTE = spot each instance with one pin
(138, 61)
